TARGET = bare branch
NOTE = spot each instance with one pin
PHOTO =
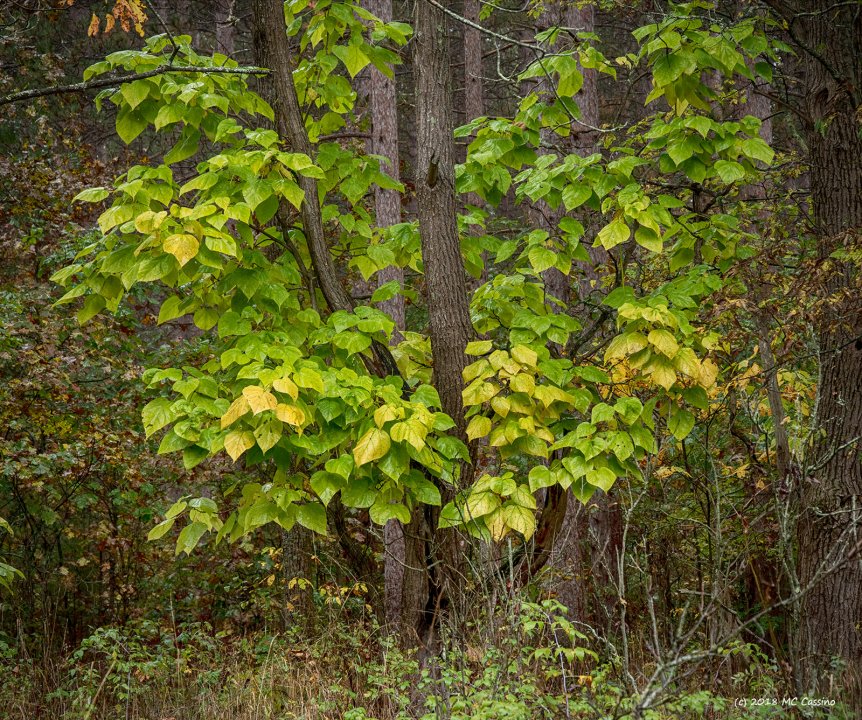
(120, 79)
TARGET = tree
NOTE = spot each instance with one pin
(827, 38)
(387, 212)
(303, 384)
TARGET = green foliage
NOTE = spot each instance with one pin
(7, 572)
(641, 380)
(287, 386)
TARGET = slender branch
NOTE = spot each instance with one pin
(289, 118)
(476, 26)
(166, 29)
(539, 52)
(120, 79)
(345, 136)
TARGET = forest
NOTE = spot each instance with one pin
(433, 359)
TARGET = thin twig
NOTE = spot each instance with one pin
(166, 29)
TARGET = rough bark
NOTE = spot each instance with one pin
(384, 124)
(559, 533)
(581, 544)
(387, 206)
(425, 593)
(445, 280)
(474, 106)
(584, 141)
(296, 565)
(274, 49)
(270, 34)
(760, 106)
(829, 36)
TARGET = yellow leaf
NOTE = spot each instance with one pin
(238, 408)
(496, 524)
(612, 235)
(521, 520)
(664, 342)
(148, 221)
(93, 29)
(481, 503)
(268, 434)
(259, 399)
(708, 373)
(478, 347)
(290, 414)
(547, 394)
(479, 427)
(525, 356)
(662, 371)
(182, 246)
(237, 442)
(109, 23)
(384, 414)
(371, 446)
(686, 362)
(410, 431)
(286, 386)
(501, 405)
(544, 434)
(627, 344)
(309, 378)
(523, 383)
(478, 392)
(527, 423)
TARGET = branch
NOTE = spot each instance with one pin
(277, 53)
(345, 136)
(166, 29)
(476, 26)
(120, 79)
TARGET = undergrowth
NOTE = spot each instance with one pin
(536, 666)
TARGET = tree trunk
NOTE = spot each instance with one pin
(474, 102)
(561, 528)
(445, 280)
(272, 45)
(298, 607)
(384, 123)
(474, 107)
(387, 206)
(584, 543)
(271, 36)
(601, 520)
(225, 26)
(830, 523)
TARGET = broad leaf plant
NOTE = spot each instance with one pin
(286, 385)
